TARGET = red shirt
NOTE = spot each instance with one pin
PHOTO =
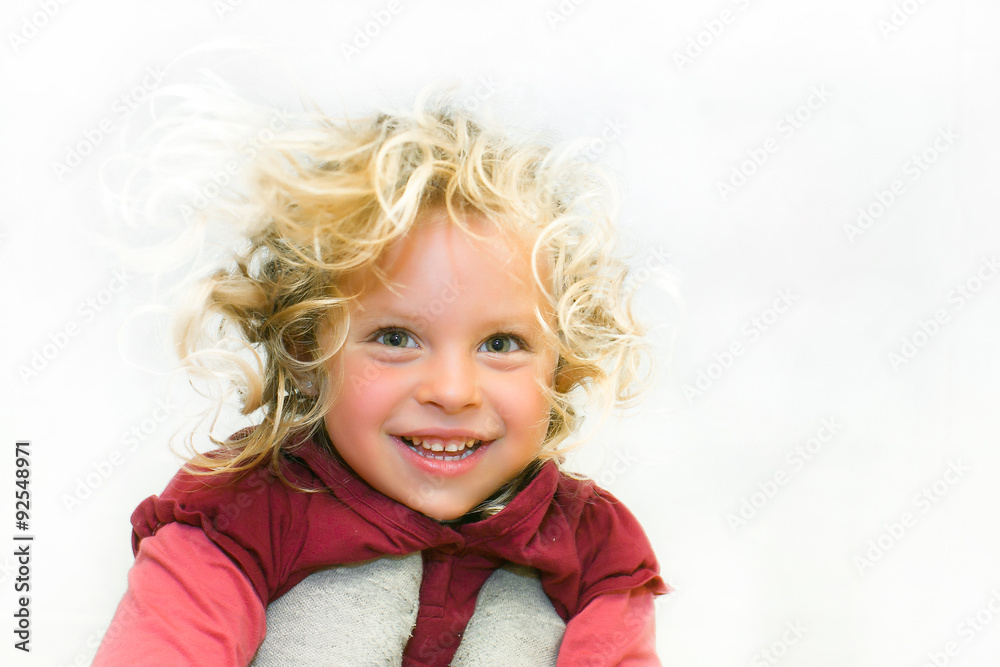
(582, 541)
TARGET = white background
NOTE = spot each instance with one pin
(821, 545)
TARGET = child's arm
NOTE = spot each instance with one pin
(187, 603)
(619, 579)
(613, 629)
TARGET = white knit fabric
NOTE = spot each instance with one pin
(515, 624)
(361, 615)
(345, 616)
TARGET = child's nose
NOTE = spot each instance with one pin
(451, 382)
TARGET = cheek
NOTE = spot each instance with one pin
(366, 388)
(521, 402)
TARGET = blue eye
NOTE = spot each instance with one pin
(394, 338)
(500, 344)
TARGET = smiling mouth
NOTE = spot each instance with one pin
(442, 449)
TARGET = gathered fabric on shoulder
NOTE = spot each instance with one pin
(580, 540)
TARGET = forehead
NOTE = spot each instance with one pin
(436, 252)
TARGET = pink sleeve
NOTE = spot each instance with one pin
(614, 629)
(187, 603)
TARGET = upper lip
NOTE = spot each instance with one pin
(443, 434)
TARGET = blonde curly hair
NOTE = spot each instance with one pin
(325, 198)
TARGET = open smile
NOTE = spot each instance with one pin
(442, 449)
(440, 456)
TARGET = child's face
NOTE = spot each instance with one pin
(450, 358)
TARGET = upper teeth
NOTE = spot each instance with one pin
(440, 445)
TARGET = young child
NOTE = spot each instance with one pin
(425, 298)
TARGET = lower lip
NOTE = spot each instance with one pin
(442, 467)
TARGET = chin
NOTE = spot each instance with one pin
(444, 515)
(447, 511)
